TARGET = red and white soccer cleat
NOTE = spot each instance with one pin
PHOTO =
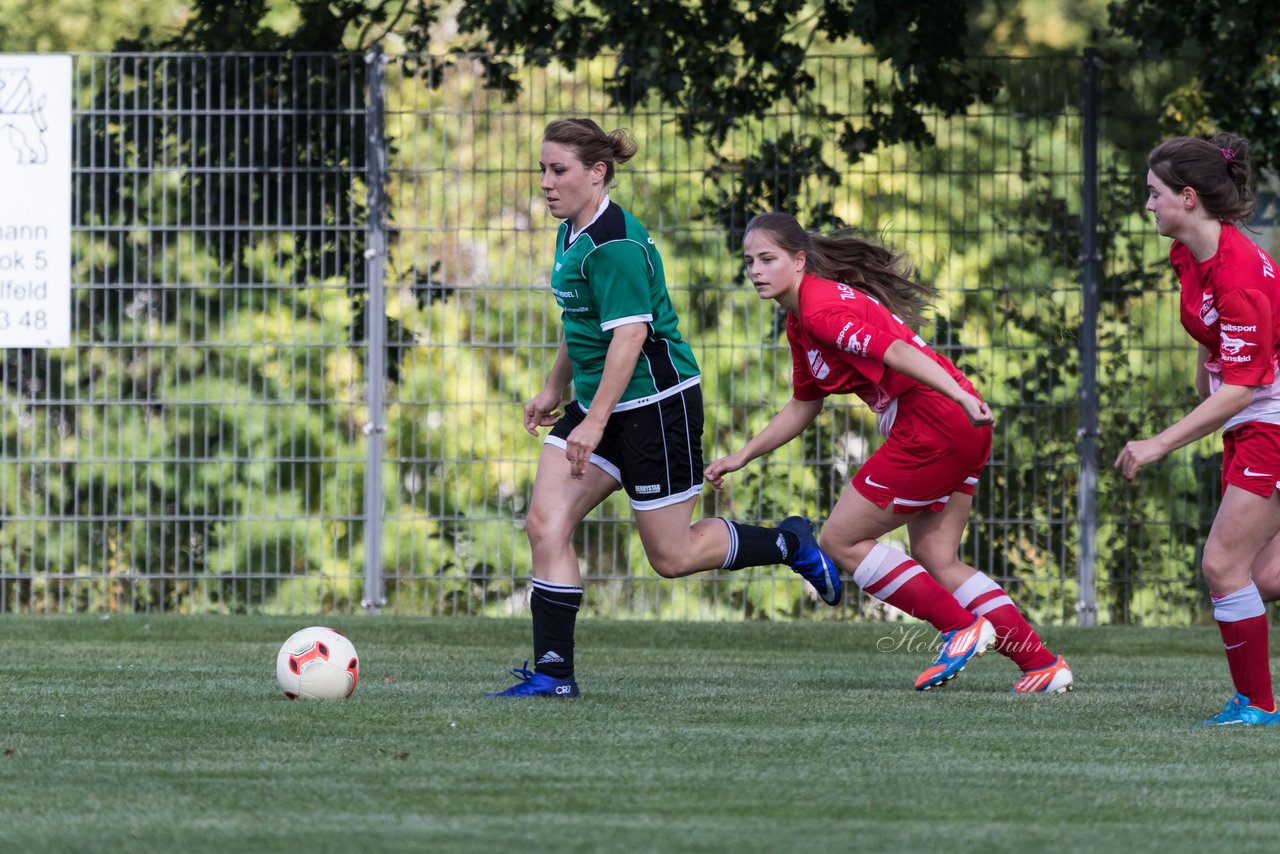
(1054, 679)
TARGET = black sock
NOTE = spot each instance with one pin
(752, 545)
(555, 611)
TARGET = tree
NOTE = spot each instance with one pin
(1232, 50)
(722, 63)
(718, 63)
(738, 80)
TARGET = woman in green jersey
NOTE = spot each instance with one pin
(635, 417)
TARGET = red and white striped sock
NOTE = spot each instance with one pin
(1016, 640)
(889, 575)
(1242, 620)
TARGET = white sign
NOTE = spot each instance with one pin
(35, 200)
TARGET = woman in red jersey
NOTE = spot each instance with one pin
(1199, 191)
(849, 302)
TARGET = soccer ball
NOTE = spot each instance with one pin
(316, 663)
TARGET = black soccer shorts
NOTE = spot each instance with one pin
(654, 451)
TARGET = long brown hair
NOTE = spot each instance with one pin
(1219, 170)
(871, 268)
(592, 144)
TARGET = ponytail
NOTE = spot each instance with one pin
(1220, 170)
(592, 144)
(877, 271)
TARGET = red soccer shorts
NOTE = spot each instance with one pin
(1251, 457)
(932, 451)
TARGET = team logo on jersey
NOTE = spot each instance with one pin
(1232, 346)
(818, 366)
(855, 344)
(1208, 314)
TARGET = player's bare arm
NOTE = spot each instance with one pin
(909, 361)
(543, 409)
(790, 422)
(1198, 423)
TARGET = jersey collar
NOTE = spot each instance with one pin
(574, 235)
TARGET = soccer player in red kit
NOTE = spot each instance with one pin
(1198, 191)
(847, 300)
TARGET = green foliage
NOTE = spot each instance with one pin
(231, 475)
(724, 65)
(721, 62)
(1232, 78)
(262, 426)
(51, 26)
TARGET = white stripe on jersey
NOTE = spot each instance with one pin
(625, 321)
(574, 235)
(582, 268)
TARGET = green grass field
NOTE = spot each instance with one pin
(169, 733)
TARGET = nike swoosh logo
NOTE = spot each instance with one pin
(871, 482)
(1249, 473)
(826, 579)
(1234, 645)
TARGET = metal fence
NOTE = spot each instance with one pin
(310, 299)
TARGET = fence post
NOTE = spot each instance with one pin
(1090, 279)
(375, 323)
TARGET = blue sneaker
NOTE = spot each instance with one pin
(537, 685)
(1238, 712)
(810, 561)
(958, 648)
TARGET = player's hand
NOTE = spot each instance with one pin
(978, 412)
(715, 472)
(581, 443)
(1136, 454)
(542, 411)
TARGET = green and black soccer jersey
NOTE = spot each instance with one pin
(610, 275)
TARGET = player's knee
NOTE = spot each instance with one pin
(543, 531)
(935, 560)
(833, 547)
(1224, 569)
(1215, 564)
(668, 564)
(666, 568)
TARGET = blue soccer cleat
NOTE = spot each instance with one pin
(537, 685)
(1238, 712)
(959, 646)
(811, 562)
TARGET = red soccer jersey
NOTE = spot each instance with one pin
(838, 344)
(1231, 305)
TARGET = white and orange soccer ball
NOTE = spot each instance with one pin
(317, 663)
